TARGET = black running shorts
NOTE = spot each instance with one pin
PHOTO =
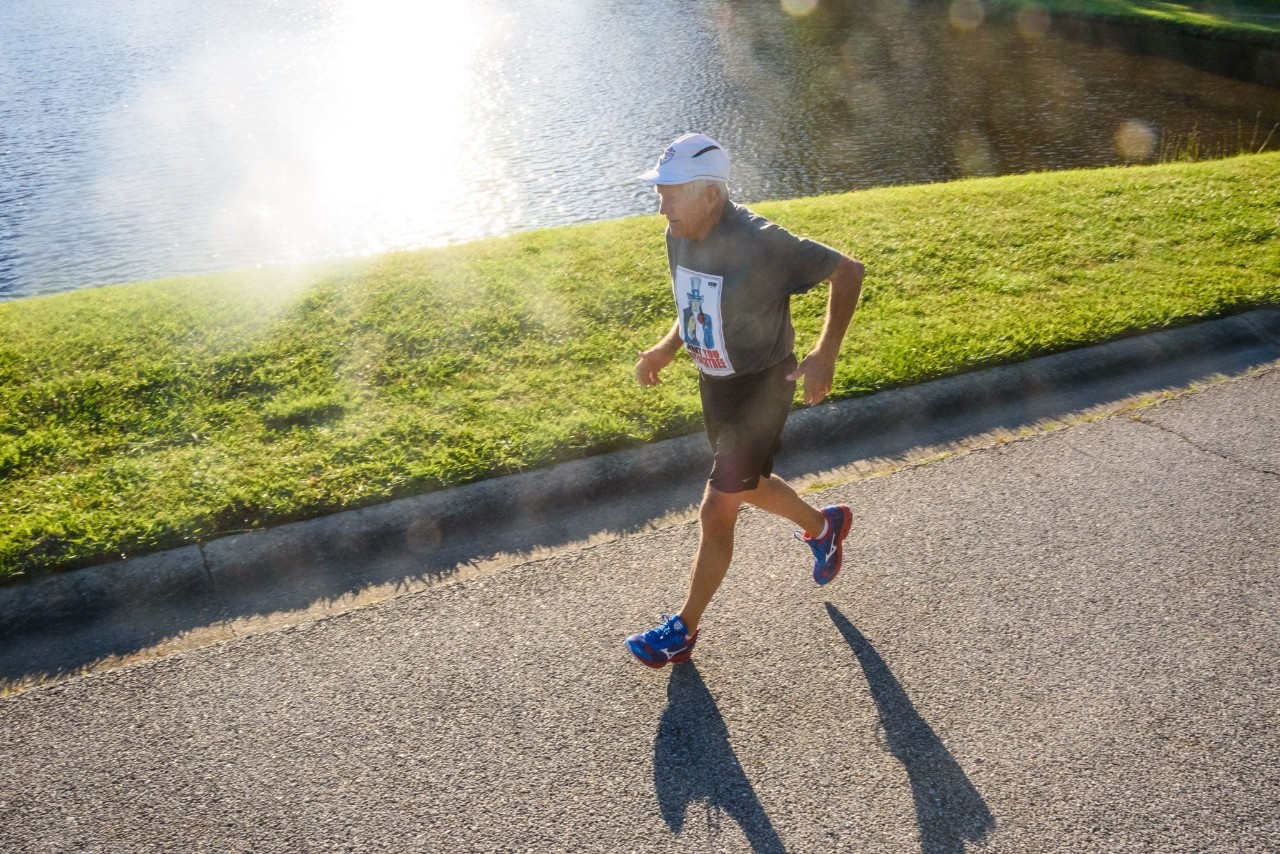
(744, 416)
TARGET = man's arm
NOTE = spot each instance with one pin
(818, 369)
(659, 356)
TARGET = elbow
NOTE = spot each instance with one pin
(852, 269)
(848, 276)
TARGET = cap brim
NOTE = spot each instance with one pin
(653, 178)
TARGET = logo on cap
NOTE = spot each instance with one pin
(690, 157)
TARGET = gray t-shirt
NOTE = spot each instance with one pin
(733, 290)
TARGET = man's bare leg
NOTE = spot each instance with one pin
(718, 516)
(776, 496)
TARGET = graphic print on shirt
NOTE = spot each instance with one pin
(701, 322)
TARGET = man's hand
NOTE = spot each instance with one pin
(816, 374)
(657, 357)
(818, 369)
(649, 365)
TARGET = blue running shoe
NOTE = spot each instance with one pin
(828, 551)
(665, 643)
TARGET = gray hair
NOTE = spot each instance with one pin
(722, 188)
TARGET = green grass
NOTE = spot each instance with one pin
(145, 416)
(1256, 20)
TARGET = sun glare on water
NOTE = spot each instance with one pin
(350, 129)
(399, 152)
(398, 148)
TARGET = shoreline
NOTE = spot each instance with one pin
(1231, 54)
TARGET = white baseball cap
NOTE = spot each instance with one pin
(691, 157)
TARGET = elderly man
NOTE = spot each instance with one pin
(733, 273)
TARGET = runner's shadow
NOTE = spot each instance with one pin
(949, 809)
(694, 761)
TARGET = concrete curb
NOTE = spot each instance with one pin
(279, 568)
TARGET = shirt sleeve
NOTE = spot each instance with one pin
(798, 262)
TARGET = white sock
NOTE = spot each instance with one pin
(826, 526)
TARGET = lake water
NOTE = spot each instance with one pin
(146, 138)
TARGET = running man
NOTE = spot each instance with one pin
(742, 270)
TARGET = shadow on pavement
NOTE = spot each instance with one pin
(694, 761)
(949, 809)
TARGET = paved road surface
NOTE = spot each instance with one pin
(1065, 643)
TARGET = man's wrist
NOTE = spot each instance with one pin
(826, 352)
(662, 351)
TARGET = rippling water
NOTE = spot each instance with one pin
(145, 138)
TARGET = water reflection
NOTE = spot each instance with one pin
(140, 139)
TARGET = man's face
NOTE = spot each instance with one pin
(690, 213)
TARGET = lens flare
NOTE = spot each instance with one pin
(1033, 22)
(967, 15)
(974, 155)
(1135, 140)
(799, 8)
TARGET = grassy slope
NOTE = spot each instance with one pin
(144, 416)
(1257, 20)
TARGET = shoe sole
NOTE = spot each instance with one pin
(844, 532)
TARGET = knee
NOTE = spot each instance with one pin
(719, 509)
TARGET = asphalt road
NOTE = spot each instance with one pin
(1065, 643)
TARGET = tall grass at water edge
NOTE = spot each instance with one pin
(1252, 20)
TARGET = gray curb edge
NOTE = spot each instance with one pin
(381, 540)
